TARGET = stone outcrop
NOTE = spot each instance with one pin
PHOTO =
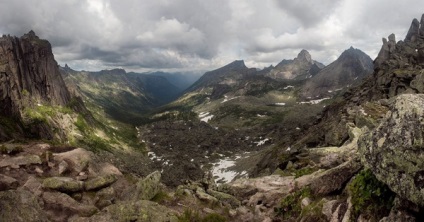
(414, 31)
(28, 69)
(394, 150)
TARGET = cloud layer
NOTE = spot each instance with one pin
(173, 35)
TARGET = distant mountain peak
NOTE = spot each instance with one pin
(237, 64)
(304, 56)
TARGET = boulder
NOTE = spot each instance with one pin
(100, 182)
(67, 205)
(34, 186)
(328, 207)
(394, 150)
(8, 183)
(63, 184)
(225, 198)
(78, 159)
(105, 197)
(20, 206)
(202, 195)
(334, 179)
(20, 161)
(148, 187)
(63, 167)
(141, 211)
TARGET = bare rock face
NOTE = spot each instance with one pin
(413, 31)
(28, 69)
(394, 150)
(29, 78)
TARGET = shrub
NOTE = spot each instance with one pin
(370, 197)
(290, 206)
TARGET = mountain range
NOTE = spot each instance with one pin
(300, 141)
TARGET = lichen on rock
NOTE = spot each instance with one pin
(394, 150)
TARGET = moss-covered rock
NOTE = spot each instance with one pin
(63, 184)
(100, 182)
(394, 150)
(225, 198)
(20, 161)
(148, 187)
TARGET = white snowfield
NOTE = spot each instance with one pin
(205, 117)
(280, 104)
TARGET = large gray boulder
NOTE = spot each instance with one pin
(394, 150)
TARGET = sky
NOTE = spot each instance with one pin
(201, 35)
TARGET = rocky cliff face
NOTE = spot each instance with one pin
(301, 67)
(27, 67)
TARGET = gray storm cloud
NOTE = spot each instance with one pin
(203, 35)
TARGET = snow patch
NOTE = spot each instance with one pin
(220, 171)
(226, 99)
(262, 142)
(280, 104)
(288, 87)
(205, 117)
(313, 102)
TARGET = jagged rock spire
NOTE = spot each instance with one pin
(387, 48)
(422, 25)
(414, 31)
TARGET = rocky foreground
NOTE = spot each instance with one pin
(41, 182)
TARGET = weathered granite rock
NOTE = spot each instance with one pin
(100, 182)
(78, 159)
(63, 167)
(20, 206)
(142, 211)
(67, 204)
(63, 184)
(8, 183)
(105, 197)
(20, 161)
(225, 198)
(148, 187)
(394, 150)
(34, 186)
(334, 179)
(202, 195)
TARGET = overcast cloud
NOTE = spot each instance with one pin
(179, 35)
